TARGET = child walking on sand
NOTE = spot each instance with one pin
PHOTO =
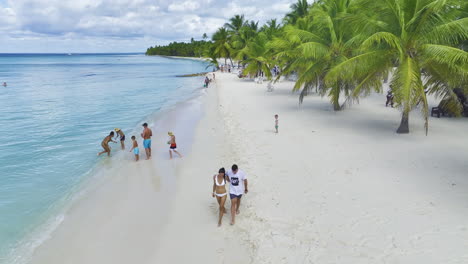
(135, 149)
(172, 145)
(276, 123)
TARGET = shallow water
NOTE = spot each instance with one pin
(54, 113)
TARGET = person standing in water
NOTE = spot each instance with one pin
(219, 191)
(238, 186)
(276, 123)
(122, 137)
(172, 145)
(135, 149)
(146, 135)
(105, 144)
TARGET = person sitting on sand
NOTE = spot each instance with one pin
(276, 123)
(146, 135)
(105, 144)
(122, 137)
(238, 186)
(135, 149)
(219, 191)
(172, 145)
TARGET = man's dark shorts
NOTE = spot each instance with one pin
(235, 196)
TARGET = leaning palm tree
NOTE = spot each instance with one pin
(314, 46)
(417, 38)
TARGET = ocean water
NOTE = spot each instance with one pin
(54, 113)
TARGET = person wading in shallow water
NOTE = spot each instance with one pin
(122, 137)
(238, 186)
(105, 144)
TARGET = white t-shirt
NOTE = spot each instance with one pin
(237, 182)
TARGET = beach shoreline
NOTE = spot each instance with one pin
(142, 191)
(330, 187)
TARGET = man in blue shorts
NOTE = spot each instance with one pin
(237, 187)
(146, 135)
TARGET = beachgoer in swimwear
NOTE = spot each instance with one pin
(105, 144)
(276, 123)
(389, 98)
(219, 191)
(172, 145)
(146, 135)
(237, 187)
(135, 149)
(122, 137)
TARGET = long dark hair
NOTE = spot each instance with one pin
(223, 171)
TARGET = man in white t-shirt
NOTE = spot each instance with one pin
(237, 187)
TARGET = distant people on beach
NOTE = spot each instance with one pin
(105, 144)
(135, 149)
(276, 123)
(207, 81)
(4, 84)
(122, 137)
(219, 191)
(146, 135)
(389, 98)
(238, 186)
(172, 145)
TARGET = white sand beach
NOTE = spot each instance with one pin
(331, 187)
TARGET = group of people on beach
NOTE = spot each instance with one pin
(238, 186)
(146, 135)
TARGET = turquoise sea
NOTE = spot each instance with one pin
(54, 113)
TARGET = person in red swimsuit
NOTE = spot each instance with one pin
(172, 145)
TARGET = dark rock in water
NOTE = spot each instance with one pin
(193, 74)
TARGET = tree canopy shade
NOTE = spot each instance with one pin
(345, 49)
(416, 40)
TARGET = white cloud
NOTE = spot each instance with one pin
(184, 6)
(134, 24)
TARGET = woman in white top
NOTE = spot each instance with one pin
(219, 191)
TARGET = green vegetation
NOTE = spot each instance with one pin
(195, 48)
(345, 49)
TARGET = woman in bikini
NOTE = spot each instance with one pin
(219, 191)
(105, 144)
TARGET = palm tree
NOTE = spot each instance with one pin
(299, 9)
(419, 39)
(236, 23)
(256, 56)
(271, 28)
(221, 47)
(314, 46)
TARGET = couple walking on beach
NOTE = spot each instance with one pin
(238, 186)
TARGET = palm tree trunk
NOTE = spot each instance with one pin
(404, 125)
(336, 100)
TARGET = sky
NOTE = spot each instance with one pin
(79, 26)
